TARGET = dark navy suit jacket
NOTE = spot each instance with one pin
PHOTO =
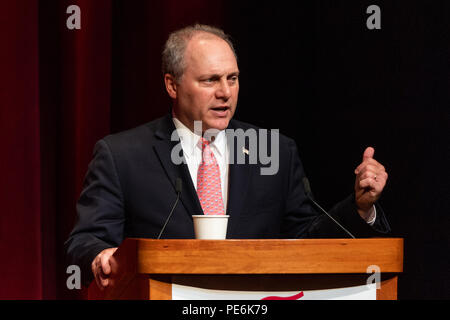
(129, 190)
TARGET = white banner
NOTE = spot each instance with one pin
(363, 292)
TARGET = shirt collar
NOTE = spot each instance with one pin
(189, 140)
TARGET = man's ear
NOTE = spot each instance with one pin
(171, 85)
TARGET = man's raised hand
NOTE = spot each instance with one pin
(371, 178)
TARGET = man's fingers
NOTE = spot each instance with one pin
(368, 168)
(101, 281)
(98, 273)
(368, 174)
(371, 171)
(101, 267)
(368, 183)
(106, 268)
(370, 180)
(98, 281)
(375, 165)
(367, 158)
(100, 270)
(104, 282)
(374, 182)
(368, 153)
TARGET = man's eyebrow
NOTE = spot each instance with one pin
(218, 76)
(234, 74)
(210, 75)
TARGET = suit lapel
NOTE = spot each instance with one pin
(163, 148)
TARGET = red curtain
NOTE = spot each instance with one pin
(75, 94)
(60, 91)
(20, 236)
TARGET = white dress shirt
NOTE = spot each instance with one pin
(193, 154)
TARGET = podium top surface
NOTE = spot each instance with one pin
(299, 256)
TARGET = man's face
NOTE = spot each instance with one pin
(208, 90)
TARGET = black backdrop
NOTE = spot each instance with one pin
(314, 70)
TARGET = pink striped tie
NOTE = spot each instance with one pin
(209, 189)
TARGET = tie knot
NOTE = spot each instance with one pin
(203, 143)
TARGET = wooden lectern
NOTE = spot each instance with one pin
(147, 268)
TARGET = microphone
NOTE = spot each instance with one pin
(309, 195)
(178, 188)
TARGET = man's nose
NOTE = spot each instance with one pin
(224, 90)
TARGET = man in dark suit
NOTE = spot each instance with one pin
(131, 182)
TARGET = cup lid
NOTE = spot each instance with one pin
(210, 216)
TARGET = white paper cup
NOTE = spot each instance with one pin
(213, 227)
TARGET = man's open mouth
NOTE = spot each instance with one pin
(224, 108)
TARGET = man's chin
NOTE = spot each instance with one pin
(218, 124)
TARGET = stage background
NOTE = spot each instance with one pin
(313, 70)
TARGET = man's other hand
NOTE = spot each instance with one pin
(102, 267)
(370, 180)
